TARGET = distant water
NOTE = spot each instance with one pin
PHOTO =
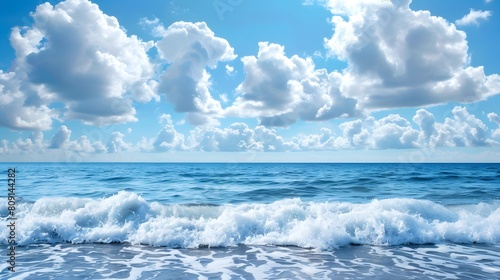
(254, 221)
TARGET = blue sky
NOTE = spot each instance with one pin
(240, 80)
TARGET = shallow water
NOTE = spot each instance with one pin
(121, 261)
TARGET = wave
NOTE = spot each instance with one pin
(126, 217)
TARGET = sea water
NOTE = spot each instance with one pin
(253, 221)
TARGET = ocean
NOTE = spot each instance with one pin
(250, 221)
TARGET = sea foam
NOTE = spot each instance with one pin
(128, 218)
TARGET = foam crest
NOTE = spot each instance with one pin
(127, 218)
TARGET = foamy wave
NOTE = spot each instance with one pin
(128, 218)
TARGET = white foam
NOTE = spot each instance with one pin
(128, 218)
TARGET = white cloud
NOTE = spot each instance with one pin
(223, 98)
(117, 144)
(84, 145)
(75, 149)
(493, 117)
(462, 129)
(230, 70)
(324, 141)
(165, 119)
(61, 138)
(77, 55)
(4, 147)
(396, 132)
(17, 109)
(190, 48)
(391, 132)
(473, 17)
(33, 143)
(280, 90)
(426, 122)
(355, 135)
(168, 139)
(318, 54)
(60, 141)
(237, 137)
(398, 57)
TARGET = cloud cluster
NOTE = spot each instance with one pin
(391, 132)
(496, 119)
(61, 138)
(34, 142)
(76, 55)
(84, 145)
(398, 57)
(168, 138)
(190, 48)
(77, 63)
(280, 90)
(461, 129)
(236, 138)
(16, 110)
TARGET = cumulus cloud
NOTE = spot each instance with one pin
(16, 110)
(61, 138)
(190, 48)
(168, 138)
(4, 147)
(229, 70)
(395, 132)
(398, 57)
(223, 97)
(473, 17)
(326, 140)
(33, 143)
(493, 117)
(238, 137)
(426, 122)
(116, 143)
(165, 119)
(84, 145)
(461, 129)
(280, 90)
(76, 55)
(391, 132)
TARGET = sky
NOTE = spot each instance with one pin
(241, 80)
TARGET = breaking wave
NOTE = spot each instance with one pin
(128, 218)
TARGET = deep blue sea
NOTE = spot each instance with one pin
(253, 221)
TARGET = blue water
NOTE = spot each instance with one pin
(216, 183)
(255, 221)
